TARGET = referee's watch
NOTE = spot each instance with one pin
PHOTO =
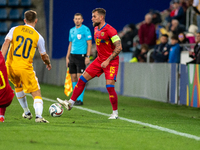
(87, 56)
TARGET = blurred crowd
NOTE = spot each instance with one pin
(165, 33)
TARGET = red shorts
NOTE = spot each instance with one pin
(6, 92)
(95, 69)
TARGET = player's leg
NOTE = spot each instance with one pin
(80, 98)
(111, 75)
(74, 79)
(2, 113)
(94, 69)
(80, 68)
(14, 77)
(77, 91)
(21, 97)
(110, 86)
(38, 106)
(31, 85)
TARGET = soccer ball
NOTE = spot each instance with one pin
(56, 110)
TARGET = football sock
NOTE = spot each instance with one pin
(2, 111)
(38, 106)
(72, 102)
(112, 96)
(115, 112)
(78, 88)
(82, 94)
(22, 99)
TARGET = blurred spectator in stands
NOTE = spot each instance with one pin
(161, 51)
(192, 31)
(176, 28)
(196, 6)
(196, 53)
(156, 17)
(127, 35)
(184, 4)
(140, 55)
(147, 32)
(177, 13)
(175, 50)
(183, 40)
(160, 29)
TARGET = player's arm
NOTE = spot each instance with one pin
(68, 53)
(46, 60)
(5, 47)
(118, 48)
(42, 51)
(89, 47)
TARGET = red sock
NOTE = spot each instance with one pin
(2, 111)
(112, 96)
(78, 88)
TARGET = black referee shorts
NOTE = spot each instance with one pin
(76, 63)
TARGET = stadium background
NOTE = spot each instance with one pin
(119, 13)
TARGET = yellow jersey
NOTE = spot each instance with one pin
(24, 41)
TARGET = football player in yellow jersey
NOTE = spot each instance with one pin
(23, 41)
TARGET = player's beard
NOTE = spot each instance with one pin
(96, 24)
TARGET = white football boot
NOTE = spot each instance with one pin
(28, 116)
(65, 103)
(37, 119)
(113, 116)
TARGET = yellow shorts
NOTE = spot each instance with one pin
(24, 78)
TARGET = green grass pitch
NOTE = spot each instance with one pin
(82, 130)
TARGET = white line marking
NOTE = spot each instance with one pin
(134, 121)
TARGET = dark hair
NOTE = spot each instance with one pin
(145, 46)
(30, 16)
(165, 35)
(174, 37)
(100, 11)
(79, 14)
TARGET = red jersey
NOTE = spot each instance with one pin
(104, 45)
(6, 93)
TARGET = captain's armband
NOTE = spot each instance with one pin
(115, 38)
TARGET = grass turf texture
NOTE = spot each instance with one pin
(78, 129)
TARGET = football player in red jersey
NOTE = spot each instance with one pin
(108, 46)
(6, 93)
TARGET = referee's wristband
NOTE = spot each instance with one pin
(87, 56)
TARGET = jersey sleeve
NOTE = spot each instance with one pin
(10, 34)
(88, 34)
(41, 45)
(70, 39)
(112, 33)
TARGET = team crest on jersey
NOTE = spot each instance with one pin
(79, 36)
(102, 33)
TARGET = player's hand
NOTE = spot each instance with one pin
(49, 67)
(87, 60)
(105, 63)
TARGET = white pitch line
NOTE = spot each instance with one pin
(135, 122)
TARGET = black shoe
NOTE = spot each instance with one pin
(78, 102)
